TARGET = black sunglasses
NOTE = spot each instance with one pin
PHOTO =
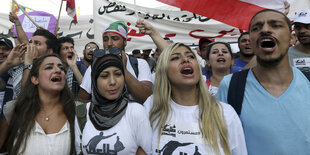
(101, 52)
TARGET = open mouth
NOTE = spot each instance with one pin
(221, 60)
(70, 55)
(187, 70)
(56, 79)
(267, 43)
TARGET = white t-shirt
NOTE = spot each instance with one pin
(132, 131)
(181, 133)
(144, 75)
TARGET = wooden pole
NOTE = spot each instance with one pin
(13, 6)
(26, 14)
(56, 27)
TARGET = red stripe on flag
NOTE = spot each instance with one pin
(70, 8)
(231, 12)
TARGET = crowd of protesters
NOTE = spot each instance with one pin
(165, 102)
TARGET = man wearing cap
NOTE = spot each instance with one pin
(246, 53)
(139, 87)
(299, 54)
(5, 49)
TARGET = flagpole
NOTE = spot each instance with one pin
(26, 14)
(13, 6)
(135, 7)
(56, 27)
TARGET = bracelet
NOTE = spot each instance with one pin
(18, 25)
(29, 66)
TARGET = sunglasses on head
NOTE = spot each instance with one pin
(91, 48)
(101, 52)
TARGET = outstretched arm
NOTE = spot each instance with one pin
(140, 90)
(287, 7)
(21, 35)
(148, 29)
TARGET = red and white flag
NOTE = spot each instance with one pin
(237, 13)
(70, 8)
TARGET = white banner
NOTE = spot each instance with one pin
(180, 26)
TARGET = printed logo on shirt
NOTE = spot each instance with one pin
(302, 64)
(169, 130)
(181, 138)
(171, 146)
(105, 149)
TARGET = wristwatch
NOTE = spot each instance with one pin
(29, 66)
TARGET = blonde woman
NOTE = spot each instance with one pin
(185, 118)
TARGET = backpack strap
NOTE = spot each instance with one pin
(236, 90)
(307, 74)
(134, 64)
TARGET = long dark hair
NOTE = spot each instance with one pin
(28, 106)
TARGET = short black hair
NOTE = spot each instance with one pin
(242, 34)
(62, 40)
(287, 20)
(91, 43)
(65, 40)
(147, 50)
(136, 51)
(51, 40)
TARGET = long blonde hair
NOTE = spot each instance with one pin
(211, 118)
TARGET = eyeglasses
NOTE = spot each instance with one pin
(101, 52)
(91, 48)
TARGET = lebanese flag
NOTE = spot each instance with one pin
(236, 13)
(70, 8)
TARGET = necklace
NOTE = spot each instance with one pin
(47, 116)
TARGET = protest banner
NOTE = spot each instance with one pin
(43, 19)
(180, 26)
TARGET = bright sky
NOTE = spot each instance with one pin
(52, 6)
